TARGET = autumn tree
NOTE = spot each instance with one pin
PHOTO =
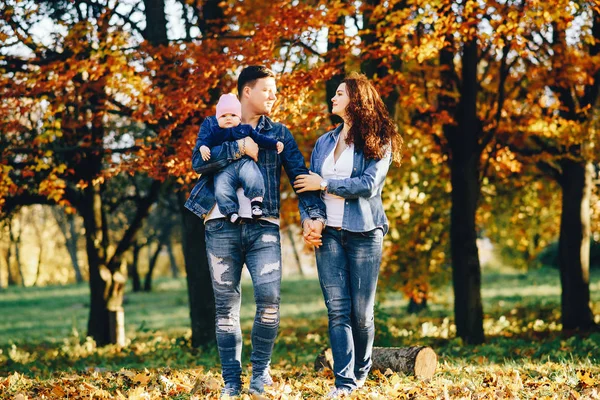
(562, 140)
(462, 70)
(102, 74)
(66, 140)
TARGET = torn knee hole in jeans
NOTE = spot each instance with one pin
(226, 324)
(269, 315)
(268, 268)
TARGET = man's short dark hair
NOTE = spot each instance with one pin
(251, 74)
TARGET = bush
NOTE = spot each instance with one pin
(549, 256)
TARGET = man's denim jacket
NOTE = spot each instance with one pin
(363, 209)
(202, 196)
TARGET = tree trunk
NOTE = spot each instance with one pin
(39, 264)
(419, 361)
(1, 281)
(151, 265)
(199, 281)
(295, 250)
(133, 270)
(574, 246)
(16, 241)
(418, 301)
(40, 238)
(72, 248)
(333, 56)
(464, 165)
(68, 228)
(71, 243)
(374, 66)
(99, 323)
(172, 260)
(10, 279)
(156, 22)
(107, 276)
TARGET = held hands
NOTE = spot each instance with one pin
(306, 183)
(248, 147)
(279, 147)
(205, 151)
(311, 232)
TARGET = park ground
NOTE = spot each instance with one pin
(44, 352)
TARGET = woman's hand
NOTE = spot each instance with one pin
(307, 183)
(312, 232)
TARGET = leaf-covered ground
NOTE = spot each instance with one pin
(43, 354)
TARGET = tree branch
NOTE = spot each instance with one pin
(141, 213)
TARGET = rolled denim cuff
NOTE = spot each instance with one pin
(235, 151)
(316, 212)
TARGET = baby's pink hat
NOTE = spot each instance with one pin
(229, 104)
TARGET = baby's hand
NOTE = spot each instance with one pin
(279, 147)
(205, 151)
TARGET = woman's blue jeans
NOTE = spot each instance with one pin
(348, 265)
(229, 246)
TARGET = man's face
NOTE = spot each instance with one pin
(262, 96)
(228, 120)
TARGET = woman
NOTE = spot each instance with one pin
(349, 165)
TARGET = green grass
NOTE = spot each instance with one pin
(42, 336)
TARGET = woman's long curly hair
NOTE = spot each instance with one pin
(371, 127)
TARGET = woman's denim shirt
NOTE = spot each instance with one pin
(363, 208)
(202, 196)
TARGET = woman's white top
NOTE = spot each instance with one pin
(341, 169)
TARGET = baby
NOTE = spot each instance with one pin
(244, 172)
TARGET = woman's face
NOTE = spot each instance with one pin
(340, 101)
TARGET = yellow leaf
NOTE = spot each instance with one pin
(585, 377)
(142, 377)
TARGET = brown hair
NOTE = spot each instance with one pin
(250, 75)
(371, 127)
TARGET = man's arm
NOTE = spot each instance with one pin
(221, 155)
(309, 203)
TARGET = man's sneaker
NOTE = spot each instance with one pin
(234, 218)
(230, 391)
(337, 393)
(361, 382)
(257, 385)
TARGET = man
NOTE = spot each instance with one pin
(253, 242)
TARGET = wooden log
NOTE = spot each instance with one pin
(420, 361)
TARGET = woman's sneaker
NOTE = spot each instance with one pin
(257, 385)
(266, 377)
(229, 392)
(337, 393)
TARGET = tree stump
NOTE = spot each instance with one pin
(420, 361)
